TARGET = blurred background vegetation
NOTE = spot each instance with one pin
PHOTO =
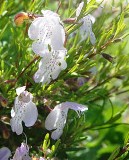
(104, 66)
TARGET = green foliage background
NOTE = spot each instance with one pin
(105, 66)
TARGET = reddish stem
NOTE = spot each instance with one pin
(36, 58)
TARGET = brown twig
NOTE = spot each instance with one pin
(31, 62)
(70, 21)
(59, 5)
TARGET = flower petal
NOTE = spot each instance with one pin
(86, 29)
(52, 118)
(57, 134)
(63, 65)
(41, 28)
(50, 66)
(62, 54)
(38, 76)
(56, 119)
(56, 73)
(36, 29)
(17, 116)
(23, 149)
(49, 13)
(41, 158)
(57, 42)
(16, 126)
(92, 18)
(12, 112)
(92, 38)
(40, 48)
(78, 10)
(23, 110)
(5, 153)
(27, 157)
(30, 115)
(87, 24)
(25, 97)
(20, 90)
(22, 153)
(74, 106)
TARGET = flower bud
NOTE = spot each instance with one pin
(5, 133)
(47, 102)
(81, 81)
(108, 57)
(20, 18)
(117, 40)
(5, 119)
(3, 101)
(70, 20)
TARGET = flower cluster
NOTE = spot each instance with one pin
(49, 36)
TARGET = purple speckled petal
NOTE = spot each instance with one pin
(22, 153)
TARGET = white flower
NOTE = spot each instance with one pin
(5, 153)
(50, 66)
(24, 110)
(22, 153)
(57, 117)
(86, 27)
(47, 30)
